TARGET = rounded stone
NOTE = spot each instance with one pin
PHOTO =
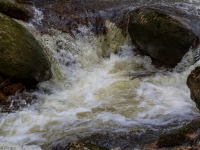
(22, 58)
(160, 35)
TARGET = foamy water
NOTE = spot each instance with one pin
(89, 93)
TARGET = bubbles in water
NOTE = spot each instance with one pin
(38, 16)
(89, 92)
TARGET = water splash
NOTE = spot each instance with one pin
(90, 92)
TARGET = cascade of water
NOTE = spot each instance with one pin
(90, 93)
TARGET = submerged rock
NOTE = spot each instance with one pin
(22, 58)
(84, 146)
(163, 36)
(67, 16)
(187, 136)
(14, 10)
(14, 88)
(7, 88)
(193, 82)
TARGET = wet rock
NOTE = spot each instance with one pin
(161, 34)
(13, 88)
(193, 138)
(14, 10)
(3, 95)
(7, 88)
(67, 16)
(13, 103)
(182, 136)
(22, 58)
(193, 82)
(83, 146)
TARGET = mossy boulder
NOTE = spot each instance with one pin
(22, 58)
(14, 10)
(180, 136)
(193, 82)
(160, 35)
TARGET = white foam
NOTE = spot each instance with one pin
(100, 96)
(10, 146)
(38, 16)
(89, 93)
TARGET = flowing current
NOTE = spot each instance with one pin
(89, 93)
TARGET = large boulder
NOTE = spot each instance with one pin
(165, 37)
(193, 82)
(22, 58)
(14, 10)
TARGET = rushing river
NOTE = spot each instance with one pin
(89, 93)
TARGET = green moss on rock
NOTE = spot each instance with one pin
(21, 56)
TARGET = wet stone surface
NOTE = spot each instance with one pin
(9, 106)
(134, 138)
(12, 97)
(66, 16)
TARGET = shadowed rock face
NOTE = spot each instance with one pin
(22, 58)
(193, 82)
(182, 136)
(14, 10)
(162, 36)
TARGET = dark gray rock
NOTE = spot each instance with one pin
(164, 36)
